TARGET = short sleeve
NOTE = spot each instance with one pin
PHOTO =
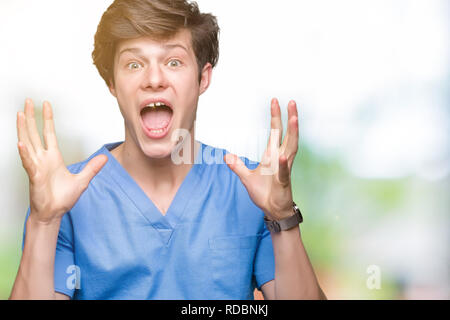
(65, 269)
(264, 268)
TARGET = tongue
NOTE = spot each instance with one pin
(156, 119)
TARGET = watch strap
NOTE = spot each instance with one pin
(286, 223)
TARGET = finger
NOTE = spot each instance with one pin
(91, 170)
(27, 162)
(276, 125)
(22, 133)
(283, 172)
(289, 146)
(292, 109)
(237, 166)
(49, 127)
(276, 132)
(271, 154)
(33, 133)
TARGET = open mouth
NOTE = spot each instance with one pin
(156, 118)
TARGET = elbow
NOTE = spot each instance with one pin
(314, 294)
(322, 295)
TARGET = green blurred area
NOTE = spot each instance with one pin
(339, 209)
(10, 256)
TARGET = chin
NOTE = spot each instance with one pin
(158, 149)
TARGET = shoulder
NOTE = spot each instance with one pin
(79, 166)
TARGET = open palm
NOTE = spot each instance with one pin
(269, 185)
(53, 189)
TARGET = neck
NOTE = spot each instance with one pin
(159, 174)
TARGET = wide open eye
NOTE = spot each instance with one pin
(133, 65)
(174, 63)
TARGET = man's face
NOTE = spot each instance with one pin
(149, 71)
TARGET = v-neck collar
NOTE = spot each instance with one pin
(164, 224)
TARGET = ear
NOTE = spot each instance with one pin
(206, 78)
(112, 88)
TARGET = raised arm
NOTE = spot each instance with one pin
(270, 188)
(53, 192)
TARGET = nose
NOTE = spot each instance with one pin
(154, 78)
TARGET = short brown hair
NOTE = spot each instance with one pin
(159, 19)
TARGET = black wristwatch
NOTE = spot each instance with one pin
(286, 223)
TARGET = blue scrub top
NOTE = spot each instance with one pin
(211, 244)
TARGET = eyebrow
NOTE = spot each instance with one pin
(165, 46)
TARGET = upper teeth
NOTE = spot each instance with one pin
(155, 104)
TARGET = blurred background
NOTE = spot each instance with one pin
(371, 80)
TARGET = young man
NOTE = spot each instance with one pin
(134, 222)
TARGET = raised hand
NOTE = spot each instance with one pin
(269, 185)
(53, 189)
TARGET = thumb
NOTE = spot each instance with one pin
(237, 166)
(91, 169)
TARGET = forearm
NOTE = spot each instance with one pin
(35, 278)
(294, 274)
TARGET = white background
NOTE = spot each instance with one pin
(332, 57)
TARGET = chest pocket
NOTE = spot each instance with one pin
(231, 259)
